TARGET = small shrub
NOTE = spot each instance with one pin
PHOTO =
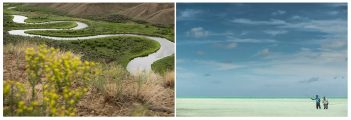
(110, 83)
(169, 79)
(63, 78)
(15, 93)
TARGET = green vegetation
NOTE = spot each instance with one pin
(163, 65)
(95, 27)
(115, 18)
(120, 49)
(88, 48)
(10, 25)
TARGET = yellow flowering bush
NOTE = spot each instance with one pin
(63, 78)
(15, 93)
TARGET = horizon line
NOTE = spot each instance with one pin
(257, 97)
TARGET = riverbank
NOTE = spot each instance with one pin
(140, 62)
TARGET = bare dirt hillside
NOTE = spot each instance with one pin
(155, 13)
(151, 12)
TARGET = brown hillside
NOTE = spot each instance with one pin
(152, 12)
(156, 13)
(165, 16)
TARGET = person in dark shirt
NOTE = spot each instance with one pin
(325, 103)
(318, 102)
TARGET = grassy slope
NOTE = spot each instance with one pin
(163, 65)
(154, 13)
(95, 27)
(115, 93)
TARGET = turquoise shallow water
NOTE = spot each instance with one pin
(288, 107)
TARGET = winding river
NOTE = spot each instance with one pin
(135, 66)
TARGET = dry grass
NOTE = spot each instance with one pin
(14, 64)
(147, 94)
(169, 79)
(114, 93)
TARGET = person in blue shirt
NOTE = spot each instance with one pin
(318, 102)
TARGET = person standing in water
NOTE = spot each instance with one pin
(318, 102)
(325, 103)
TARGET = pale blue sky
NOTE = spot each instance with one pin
(261, 50)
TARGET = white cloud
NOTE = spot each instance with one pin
(218, 65)
(253, 22)
(335, 32)
(279, 12)
(188, 14)
(198, 32)
(231, 45)
(275, 32)
(305, 49)
(326, 26)
(184, 73)
(335, 44)
(334, 29)
(337, 5)
(316, 56)
(233, 40)
(264, 52)
(200, 52)
(227, 33)
(226, 45)
(244, 33)
(249, 40)
(209, 65)
(311, 80)
(179, 61)
(333, 12)
(304, 63)
(299, 69)
(334, 56)
(297, 17)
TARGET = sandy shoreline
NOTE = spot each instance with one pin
(273, 107)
